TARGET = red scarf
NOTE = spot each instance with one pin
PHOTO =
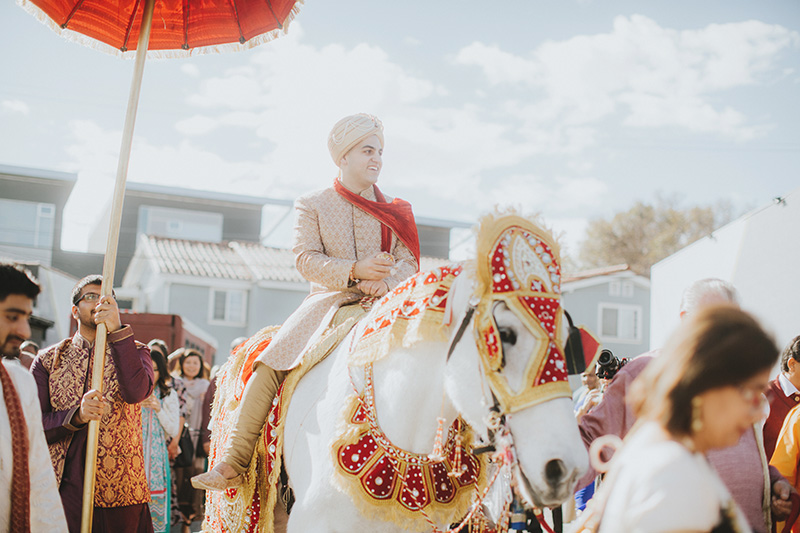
(20, 479)
(394, 217)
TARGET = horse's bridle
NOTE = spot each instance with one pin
(495, 415)
(461, 329)
(496, 418)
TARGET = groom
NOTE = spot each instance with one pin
(350, 242)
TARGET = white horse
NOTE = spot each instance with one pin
(414, 386)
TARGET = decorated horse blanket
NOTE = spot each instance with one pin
(383, 480)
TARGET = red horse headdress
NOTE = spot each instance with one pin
(519, 264)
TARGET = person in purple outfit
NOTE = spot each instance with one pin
(758, 489)
(63, 378)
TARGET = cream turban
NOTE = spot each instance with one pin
(351, 130)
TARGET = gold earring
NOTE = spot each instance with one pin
(697, 415)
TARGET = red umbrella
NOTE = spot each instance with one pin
(182, 27)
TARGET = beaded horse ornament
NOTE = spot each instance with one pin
(518, 264)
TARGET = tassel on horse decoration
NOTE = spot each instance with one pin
(457, 471)
(437, 454)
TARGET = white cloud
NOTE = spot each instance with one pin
(691, 113)
(499, 67)
(190, 70)
(15, 106)
(450, 156)
(656, 76)
(196, 125)
(558, 197)
(94, 152)
(239, 91)
(291, 93)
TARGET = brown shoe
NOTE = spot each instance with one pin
(213, 480)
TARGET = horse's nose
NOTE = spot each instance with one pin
(554, 472)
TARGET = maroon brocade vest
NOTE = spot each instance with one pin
(779, 407)
(120, 477)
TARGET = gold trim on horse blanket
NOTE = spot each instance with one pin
(383, 480)
(412, 312)
(390, 484)
(250, 507)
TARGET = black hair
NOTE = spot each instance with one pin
(93, 279)
(189, 352)
(718, 346)
(792, 350)
(163, 374)
(17, 280)
(161, 345)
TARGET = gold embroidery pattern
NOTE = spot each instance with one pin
(249, 508)
(390, 484)
(330, 234)
(120, 478)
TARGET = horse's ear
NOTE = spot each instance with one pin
(582, 348)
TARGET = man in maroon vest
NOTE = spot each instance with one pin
(63, 375)
(783, 394)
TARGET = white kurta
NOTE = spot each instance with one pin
(47, 514)
(658, 485)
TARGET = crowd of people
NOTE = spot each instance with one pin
(696, 451)
(139, 485)
(697, 444)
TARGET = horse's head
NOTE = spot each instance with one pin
(511, 383)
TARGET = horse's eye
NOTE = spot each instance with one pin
(508, 336)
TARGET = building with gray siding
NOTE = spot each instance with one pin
(614, 303)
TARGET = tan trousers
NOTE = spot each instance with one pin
(256, 403)
(259, 393)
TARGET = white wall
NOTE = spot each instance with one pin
(759, 253)
(711, 257)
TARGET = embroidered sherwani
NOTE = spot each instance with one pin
(47, 515)
(330, 235)
(63, 375)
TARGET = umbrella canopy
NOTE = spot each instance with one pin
(179, 27)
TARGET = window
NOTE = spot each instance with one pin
(174, 223)
(620, 323)
(228, 306)
(613, 288)
(125, 303)
(627, 289)
(27, 223)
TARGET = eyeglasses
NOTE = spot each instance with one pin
(754, 396)
(89, 297)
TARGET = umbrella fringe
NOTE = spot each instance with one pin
(83, 40)
(67, 34)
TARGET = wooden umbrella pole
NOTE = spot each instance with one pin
(109, 262)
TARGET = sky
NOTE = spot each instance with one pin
(574, 109)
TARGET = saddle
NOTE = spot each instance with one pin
(250, 507)
(419, 488)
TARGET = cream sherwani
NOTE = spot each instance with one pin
(47, 514)
(330, 235)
